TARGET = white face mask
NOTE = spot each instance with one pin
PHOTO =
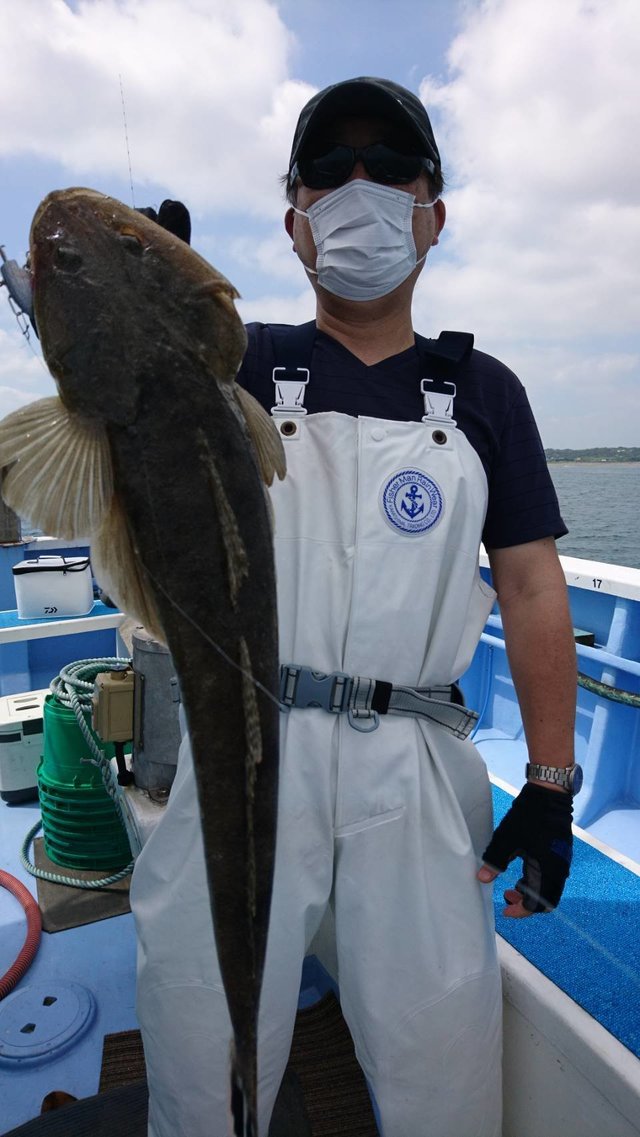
(364, 239)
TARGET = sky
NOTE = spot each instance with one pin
(534, 105)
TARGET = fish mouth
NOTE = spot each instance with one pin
(65, 207)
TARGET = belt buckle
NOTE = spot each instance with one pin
(302, 687)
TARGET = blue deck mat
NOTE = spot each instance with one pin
(589, 947)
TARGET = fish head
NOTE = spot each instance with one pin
(116, 297)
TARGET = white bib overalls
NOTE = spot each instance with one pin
(378, 526)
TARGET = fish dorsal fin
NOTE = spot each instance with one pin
(264, 436)
(119, 571)
(58, 471)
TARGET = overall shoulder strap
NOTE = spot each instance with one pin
(441, 358)
(292, 346)
(292, 350)
(440, 361)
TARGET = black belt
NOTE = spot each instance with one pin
(364, 700)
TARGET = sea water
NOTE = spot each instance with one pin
(599, 502)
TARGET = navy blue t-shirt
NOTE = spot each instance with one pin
(491, 408)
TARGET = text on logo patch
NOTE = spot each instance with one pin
(411, 502)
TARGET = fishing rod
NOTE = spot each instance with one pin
(126, 139)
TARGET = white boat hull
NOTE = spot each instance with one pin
(564, 1074)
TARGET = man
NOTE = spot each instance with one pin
(402, 455)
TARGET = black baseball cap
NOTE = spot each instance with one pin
(366, 96)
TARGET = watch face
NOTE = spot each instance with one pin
(576, 780)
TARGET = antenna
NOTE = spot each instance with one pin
(126, 138)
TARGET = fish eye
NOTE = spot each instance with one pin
(67, 258)
(131, 242)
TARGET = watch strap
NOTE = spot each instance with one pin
(556, 775)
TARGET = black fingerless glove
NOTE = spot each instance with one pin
(175, 217)
(172, 216)
(538, 829)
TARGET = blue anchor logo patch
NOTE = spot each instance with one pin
(411, 502)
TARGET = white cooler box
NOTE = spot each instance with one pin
(51, 586)
(21, 741)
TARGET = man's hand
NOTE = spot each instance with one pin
(172, 216)
(538, 829)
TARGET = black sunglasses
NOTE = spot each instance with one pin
(382, 163)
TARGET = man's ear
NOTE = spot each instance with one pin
(289, 218)
(440, 212)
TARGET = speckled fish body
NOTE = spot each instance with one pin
(144, 342)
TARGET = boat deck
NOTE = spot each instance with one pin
(99, 957)
(588, 948)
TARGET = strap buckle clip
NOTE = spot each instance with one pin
(302, 687)
(290, 384)
(439, 396)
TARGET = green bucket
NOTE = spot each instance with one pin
(80, 824)
(65, 748)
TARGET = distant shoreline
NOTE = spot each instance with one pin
(592, 462)
(596, 455)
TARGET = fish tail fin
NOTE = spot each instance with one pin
(243, 1111)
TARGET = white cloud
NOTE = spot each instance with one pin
(535, 119)
(209, 105)
(275, 309)
(210, 109)
(272, 256)
(23, 375)
(537, 125)
(543, 97)
(580, 397)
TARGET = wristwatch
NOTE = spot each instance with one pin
(569, 777)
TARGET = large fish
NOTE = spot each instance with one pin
(154, 451)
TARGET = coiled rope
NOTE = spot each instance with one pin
(73, 688)
(59, 878)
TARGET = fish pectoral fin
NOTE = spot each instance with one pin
(120, 573)
(58, 471)
(264, 436)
